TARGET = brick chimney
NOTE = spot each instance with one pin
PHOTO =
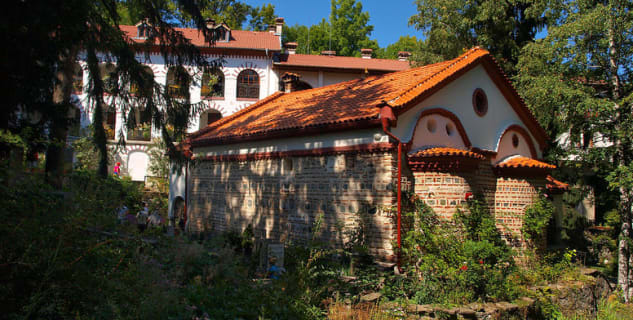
(210, 23)
(366, 53)
(328, 53)
(404, 55)
(279, 23)
(291, 47)
(290, 80)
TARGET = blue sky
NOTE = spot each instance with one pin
(389, 18)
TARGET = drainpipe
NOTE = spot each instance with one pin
(387, 117)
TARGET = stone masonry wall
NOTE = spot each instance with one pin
(506, 197)
(282, 197)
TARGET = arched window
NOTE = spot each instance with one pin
(248, 84)
(208, 117)
(178, 80)
(109, 121)
(145, 85)
(212, 84)
(109, 77)
(78, 78)
(140, 122)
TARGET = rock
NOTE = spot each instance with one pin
(418, 308)
(371, 297)
(507, 307)
(466, 313)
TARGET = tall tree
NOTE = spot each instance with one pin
(578, 81)
(405, 43)
(262, 17)
(36, 81)
(346, 32)
(502, 27)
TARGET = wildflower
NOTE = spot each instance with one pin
(468, 196)
(464, 268)
(481, 261)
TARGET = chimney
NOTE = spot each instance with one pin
(404, 55)
(271, 29)
(290, 80)
(291, 47)
(366, 53)
(279, 23)
(328, 53)
(210, 23)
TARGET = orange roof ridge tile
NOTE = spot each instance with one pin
(523, 162)
(555, 184)
(445, 151)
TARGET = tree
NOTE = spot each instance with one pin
(262, 18)
(578, 81)
(502, 27)
(37, 80)
(346, 32)
(405, 43)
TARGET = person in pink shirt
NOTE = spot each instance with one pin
(117, 169)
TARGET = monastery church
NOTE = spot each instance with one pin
(445, 131)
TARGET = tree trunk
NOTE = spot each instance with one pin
(58, 132)
(99, 135)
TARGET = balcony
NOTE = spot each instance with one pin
(140, 133)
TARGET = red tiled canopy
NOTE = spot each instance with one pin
(445, 152)
(524, 162)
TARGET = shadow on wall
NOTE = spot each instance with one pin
(282, 198)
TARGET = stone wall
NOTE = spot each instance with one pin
(506, 197)
(282, 197)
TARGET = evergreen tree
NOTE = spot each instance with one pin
(578, 82)
(405, 43)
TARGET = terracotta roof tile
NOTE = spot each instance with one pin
(240, 39)
(445, 152)
(346, 104)
(338, 62)
(554, 184)
(524, 162)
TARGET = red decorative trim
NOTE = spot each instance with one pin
(362, 148)
(246, 99)
(526, 137)
(447, 114)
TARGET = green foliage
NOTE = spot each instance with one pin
(262, 17)
(536, 219)
(404, 43)
(457, 262)
(450, 27)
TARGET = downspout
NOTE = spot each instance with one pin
(387, 118)
(184, 215)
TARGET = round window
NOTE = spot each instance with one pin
(515, 140)
(480, 102)
(449, 129)
(431, 125)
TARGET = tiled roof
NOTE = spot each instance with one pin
(351, 104)
(338, 62)
(240, 39)
(445, 152)
(554, 184)
(524, 162)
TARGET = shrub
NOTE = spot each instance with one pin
(536, 219)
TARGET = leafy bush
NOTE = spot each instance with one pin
(452, 262)
(536, 219)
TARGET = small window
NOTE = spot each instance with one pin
(141, 123)
(109, 77)
(480, 102)
(248, 84)
(449, 129)
(212, 84)
(78, 78)
(109, 121)
(515, 140)
(208, 117)
(145, 85)
(178, 80)
(431, 125)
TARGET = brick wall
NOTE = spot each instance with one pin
(281, 197)
(506, 197)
